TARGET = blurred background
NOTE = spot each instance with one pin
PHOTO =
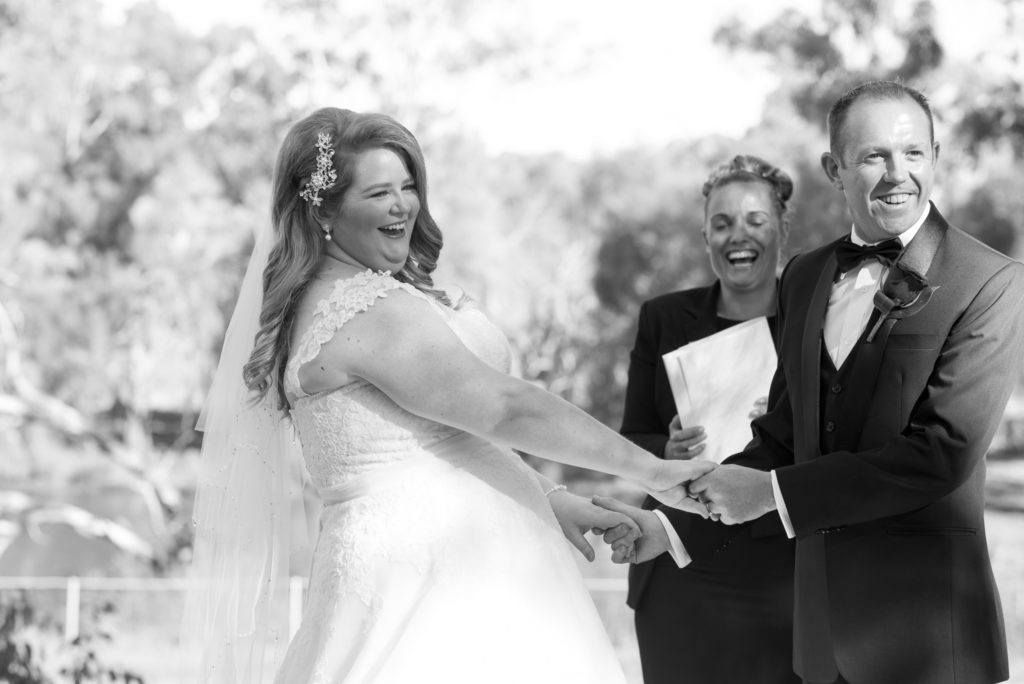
(566, 144)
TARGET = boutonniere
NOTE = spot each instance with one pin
(904, 293)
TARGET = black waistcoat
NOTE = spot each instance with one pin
(833, 389)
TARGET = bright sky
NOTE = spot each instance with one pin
(668, 79)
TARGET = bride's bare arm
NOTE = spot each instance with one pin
(402, 346)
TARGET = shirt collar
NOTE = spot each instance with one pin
(905, 237)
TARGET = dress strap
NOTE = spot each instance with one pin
(348, 297)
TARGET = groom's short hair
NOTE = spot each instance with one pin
(874, 90)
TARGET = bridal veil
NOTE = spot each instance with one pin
(242, 516)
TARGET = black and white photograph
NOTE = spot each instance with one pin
(511, 342)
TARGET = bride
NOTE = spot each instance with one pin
(440, 556)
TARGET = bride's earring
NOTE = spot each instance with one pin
(327, 232)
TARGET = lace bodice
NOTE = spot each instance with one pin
(438, 557)
(356, 427)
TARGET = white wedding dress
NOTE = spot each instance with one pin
(439, 559)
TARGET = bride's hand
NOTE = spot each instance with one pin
(679, 497)
(577, 516)
(668, 483)
(665, 474)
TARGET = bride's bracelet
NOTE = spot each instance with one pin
(556, 488)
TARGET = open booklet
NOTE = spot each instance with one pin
(716, 380)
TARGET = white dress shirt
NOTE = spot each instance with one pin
(849, 307)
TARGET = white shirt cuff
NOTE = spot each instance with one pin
(780, 503)
(675, 544)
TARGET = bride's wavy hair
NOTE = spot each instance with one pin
(299, 239)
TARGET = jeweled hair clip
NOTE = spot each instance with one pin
(324, 176)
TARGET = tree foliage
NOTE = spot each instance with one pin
(978, 104)
(847, 42)
(33, 650)
(138, 161)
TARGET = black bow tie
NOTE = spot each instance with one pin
(850, 255)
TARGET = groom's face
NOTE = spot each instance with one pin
(885, 165)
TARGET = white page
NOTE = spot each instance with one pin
(716, 380)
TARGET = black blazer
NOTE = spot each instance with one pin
(893, 578)
(665, 324)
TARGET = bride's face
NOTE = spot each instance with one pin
(378, 212)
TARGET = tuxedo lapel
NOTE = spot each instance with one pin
(810, 359)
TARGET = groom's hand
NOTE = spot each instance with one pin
(734, 493)
(653, 540)
(577, 515)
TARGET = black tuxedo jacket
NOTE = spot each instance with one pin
(893, 579)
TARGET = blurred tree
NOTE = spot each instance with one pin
(822, 54)
(435, 49)
(846, 42)
(994, 218)
(645, 208)
(33, 649)
(114, 230)
(988, 97)
(139, 158)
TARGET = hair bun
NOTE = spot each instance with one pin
(749, 167)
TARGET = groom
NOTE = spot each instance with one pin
(895, 365)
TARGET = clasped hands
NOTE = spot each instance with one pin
(730, 494)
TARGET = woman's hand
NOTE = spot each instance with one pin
(577, 516)
(667, 474)
(684, 442)
(668, 484)
(760, 408)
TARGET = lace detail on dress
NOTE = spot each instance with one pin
(428, 532)
(348, 297)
